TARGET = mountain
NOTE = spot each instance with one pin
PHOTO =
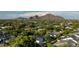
(51, 17)
(48, 16)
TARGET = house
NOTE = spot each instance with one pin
(68, 27)
(4, 36)
(40, 40)
(53, 34)
(67, 40)
(77, 30)
(77, 35)
(3, 27)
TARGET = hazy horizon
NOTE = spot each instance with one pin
(15, 14)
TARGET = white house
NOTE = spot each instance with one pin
(69, 38)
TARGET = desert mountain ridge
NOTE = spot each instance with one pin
(43, 17)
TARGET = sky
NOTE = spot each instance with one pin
(15, 14)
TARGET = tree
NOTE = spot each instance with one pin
(36, 16)
(23, 41)
(40, 32)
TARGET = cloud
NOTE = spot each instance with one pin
(33, 14)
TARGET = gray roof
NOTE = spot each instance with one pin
(5, 36)
(75, 38)
(41, 40)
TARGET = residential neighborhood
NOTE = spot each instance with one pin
(47, 30)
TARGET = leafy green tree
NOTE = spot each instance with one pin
(23, 41)
(40, 32)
